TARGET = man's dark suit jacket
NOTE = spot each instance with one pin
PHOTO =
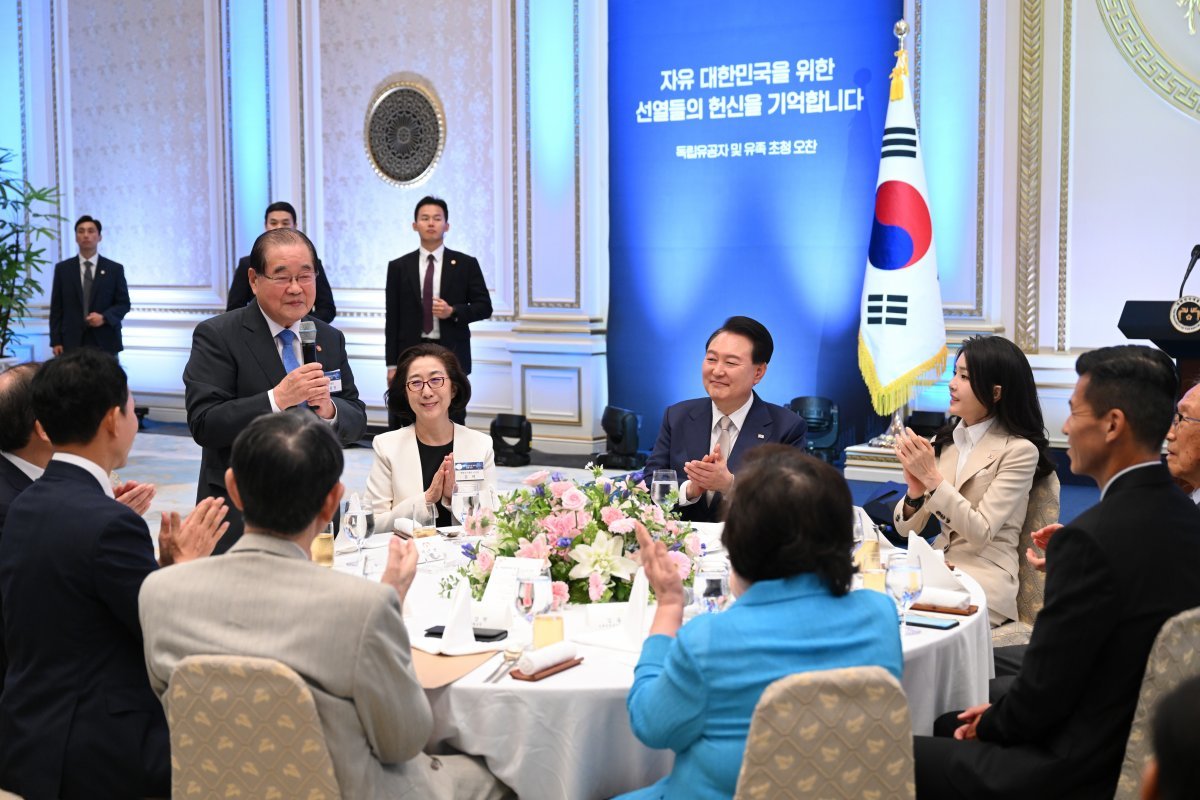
(462, 287)
(12, 482)
(240, 293)
(686, 434)
(1113, 576)
(77, 717)
(110, 299)
(234, 363)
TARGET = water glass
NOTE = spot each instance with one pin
(350, 535)
(710, 589)
(424, 520)
(663, 483)
(465, 506)
(904, 584)
(859, 535)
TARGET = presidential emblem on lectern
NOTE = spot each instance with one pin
(1185, 314)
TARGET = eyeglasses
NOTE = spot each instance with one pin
(417, 385)
(304, 279)
(1179, 419)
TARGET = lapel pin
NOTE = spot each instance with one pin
(318, 348)
(453, 262)
(762, 436)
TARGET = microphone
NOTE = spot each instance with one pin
(1192, 263)
(308, 335)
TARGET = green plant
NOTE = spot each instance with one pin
(25, 222)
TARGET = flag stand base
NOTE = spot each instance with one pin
(888, 437)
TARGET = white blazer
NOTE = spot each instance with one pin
(395, 485)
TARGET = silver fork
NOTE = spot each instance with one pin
(511, 656)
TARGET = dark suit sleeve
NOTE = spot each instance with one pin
(391, 314)
(795, 433)
(56, 309)
(215, 413)
(120, 305)
(239, 289)
(1082, 604)
(324, 310)
(124, 557)
(479, 302)
(351, 421)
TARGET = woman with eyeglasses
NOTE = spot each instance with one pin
(415, 464)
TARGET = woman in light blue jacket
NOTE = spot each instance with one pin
(789, 537)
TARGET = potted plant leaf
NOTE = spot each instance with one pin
(27, 226)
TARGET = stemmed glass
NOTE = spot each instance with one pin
(350, 537)
(465, 506)
(663, 483)
(859, 534)
(904, 584)
(534, 596)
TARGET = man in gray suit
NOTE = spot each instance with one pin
(342, 634)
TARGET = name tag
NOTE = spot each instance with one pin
(468, 471)
(335, 380)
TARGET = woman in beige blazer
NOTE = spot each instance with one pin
(976, 474)
(415, 464)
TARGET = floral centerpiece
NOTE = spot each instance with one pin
(585, 532)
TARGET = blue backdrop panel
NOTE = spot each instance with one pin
(744, 148)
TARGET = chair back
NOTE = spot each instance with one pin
(1043, 510)
(245, 727)
(838, 733)
(1174, 658)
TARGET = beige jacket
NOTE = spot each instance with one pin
(981, 512)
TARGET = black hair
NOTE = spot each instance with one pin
(1141, 381)
(762, 345)
(397, 396)
(277, 237)
(429, 200)
(995, 361)
(284, 466)
(93, 220)
(1177, 742)
(790, 514)
(16, 406)
(280, 205)
(74, 392)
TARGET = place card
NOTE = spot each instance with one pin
(495, 610)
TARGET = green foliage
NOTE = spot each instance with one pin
(27, 218)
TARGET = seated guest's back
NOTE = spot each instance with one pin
(789, 538)
(1174, 772)
(77, 717)
(342, 634)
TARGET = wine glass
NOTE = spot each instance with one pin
(710, 588)
(465, 506)
(904, 584)
(663, 483)
(350, 535)
(534, 596)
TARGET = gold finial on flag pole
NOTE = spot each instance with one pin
(901, 69)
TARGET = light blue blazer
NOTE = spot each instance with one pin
(695, 693)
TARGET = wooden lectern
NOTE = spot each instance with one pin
(1151, 319)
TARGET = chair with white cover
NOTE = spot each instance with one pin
(245, 727)
(1031, 584)
(838, 733)
(1174, 658)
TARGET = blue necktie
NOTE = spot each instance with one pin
(286, 337)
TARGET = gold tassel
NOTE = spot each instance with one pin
(886, 399)
(899, 72)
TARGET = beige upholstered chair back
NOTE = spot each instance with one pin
(839, 733)
(1174, 658)
(1031, 585)
(247, 728)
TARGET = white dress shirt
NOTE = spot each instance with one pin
(965, 438)
(92, 467)
(32, 471)
(736, 420)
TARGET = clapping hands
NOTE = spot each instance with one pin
(441, 488)
(708, 474)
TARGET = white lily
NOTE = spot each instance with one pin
(603, 556)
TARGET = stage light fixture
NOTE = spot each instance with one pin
(512, 440)
(621, 431)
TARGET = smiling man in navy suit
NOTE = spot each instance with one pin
(89, 296)
(705, 440)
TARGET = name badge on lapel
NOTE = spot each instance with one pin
(335, 380)
(468, 471)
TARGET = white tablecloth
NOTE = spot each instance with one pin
(569, 735)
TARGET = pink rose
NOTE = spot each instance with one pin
(656, 513)
(485, 561)
(573, 499)
(610, 514)
(536, 478)
(559, 488)
(561, 526)
(624, 525)
(691, 543)
(681, 562)
(596, 587)
(561, 594)
(672, 527)
(539, 548)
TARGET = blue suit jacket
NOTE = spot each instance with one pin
(77, 717)
(110, 299)
(687, 430)
(696, 693)
(12, 483)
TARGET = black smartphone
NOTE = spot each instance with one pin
(481, 634)
(937, 623)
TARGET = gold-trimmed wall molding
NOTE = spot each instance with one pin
(1064, 175)
(1029, 174)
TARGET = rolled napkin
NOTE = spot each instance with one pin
(403, 525)
(945, 598)
(941, 588)
(534, 661)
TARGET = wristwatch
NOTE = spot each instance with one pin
(914, 504)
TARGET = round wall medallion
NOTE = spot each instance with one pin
(405, 133)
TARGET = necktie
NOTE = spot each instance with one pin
(286, 337)
(724, 423)
(87, 287)
(427, 298)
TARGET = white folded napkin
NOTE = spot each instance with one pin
(632, 630)
(458, 637)
(403, 525)
(941, 588)
(534, 661)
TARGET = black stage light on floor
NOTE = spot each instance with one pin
(512, 439)
(621, 429)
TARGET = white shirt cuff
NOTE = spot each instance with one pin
(684, 500)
